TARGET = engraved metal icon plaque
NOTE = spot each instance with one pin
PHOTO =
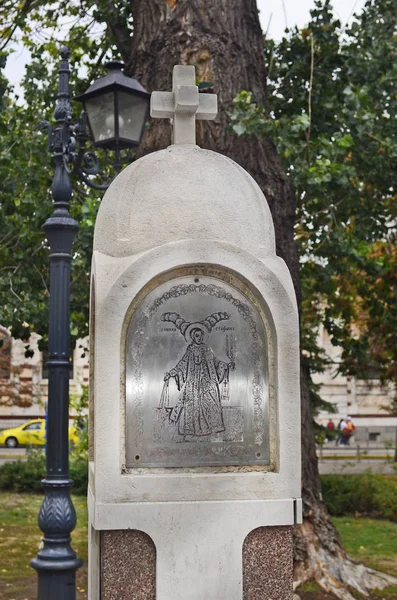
(197, 376)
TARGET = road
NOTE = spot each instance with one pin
(352, 451)
(10, 454)
(352, 467)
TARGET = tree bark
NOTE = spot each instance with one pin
(224, 41)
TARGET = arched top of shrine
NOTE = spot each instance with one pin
(180, 193)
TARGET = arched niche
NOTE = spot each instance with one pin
(199, 372)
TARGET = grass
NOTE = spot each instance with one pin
(370, 541)
(19, 541)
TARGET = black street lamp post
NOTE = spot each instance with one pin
(56, 562)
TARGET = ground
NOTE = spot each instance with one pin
(371, 541)
(311, 591)
(19, 542)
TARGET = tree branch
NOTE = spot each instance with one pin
(309, 102)
(119, 30)
(17, 21)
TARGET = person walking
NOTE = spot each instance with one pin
(351, 429)
(339, 433)
(330, 425)
(330, 431)
(344, 432)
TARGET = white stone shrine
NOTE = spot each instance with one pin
(194, 482)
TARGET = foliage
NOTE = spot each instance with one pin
(79, 406)
(25, 203)
(25, 476)
(92, 26)
(25, 165)
(79, 474)
(332, 113)
(367, 494)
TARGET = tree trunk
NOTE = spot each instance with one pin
(224, 41)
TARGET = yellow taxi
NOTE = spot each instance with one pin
(32, 432)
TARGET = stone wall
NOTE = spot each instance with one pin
(23, 382)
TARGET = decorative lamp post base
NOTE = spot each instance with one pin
(57, 584)
(56, 563)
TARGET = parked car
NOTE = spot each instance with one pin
(32, 432)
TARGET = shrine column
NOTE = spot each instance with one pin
(194, 483)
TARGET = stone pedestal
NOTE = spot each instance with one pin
(128, 565)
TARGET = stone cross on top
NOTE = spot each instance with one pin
(183, 105)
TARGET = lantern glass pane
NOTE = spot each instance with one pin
(100, 111)
(132, 115)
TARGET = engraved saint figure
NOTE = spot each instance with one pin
(198, 375)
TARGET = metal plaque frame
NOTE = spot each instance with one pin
(199, 365)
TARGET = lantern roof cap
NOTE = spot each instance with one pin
(114, 80)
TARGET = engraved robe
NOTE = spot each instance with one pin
(198, 374)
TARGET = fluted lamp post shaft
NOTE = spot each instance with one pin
(56, 563)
